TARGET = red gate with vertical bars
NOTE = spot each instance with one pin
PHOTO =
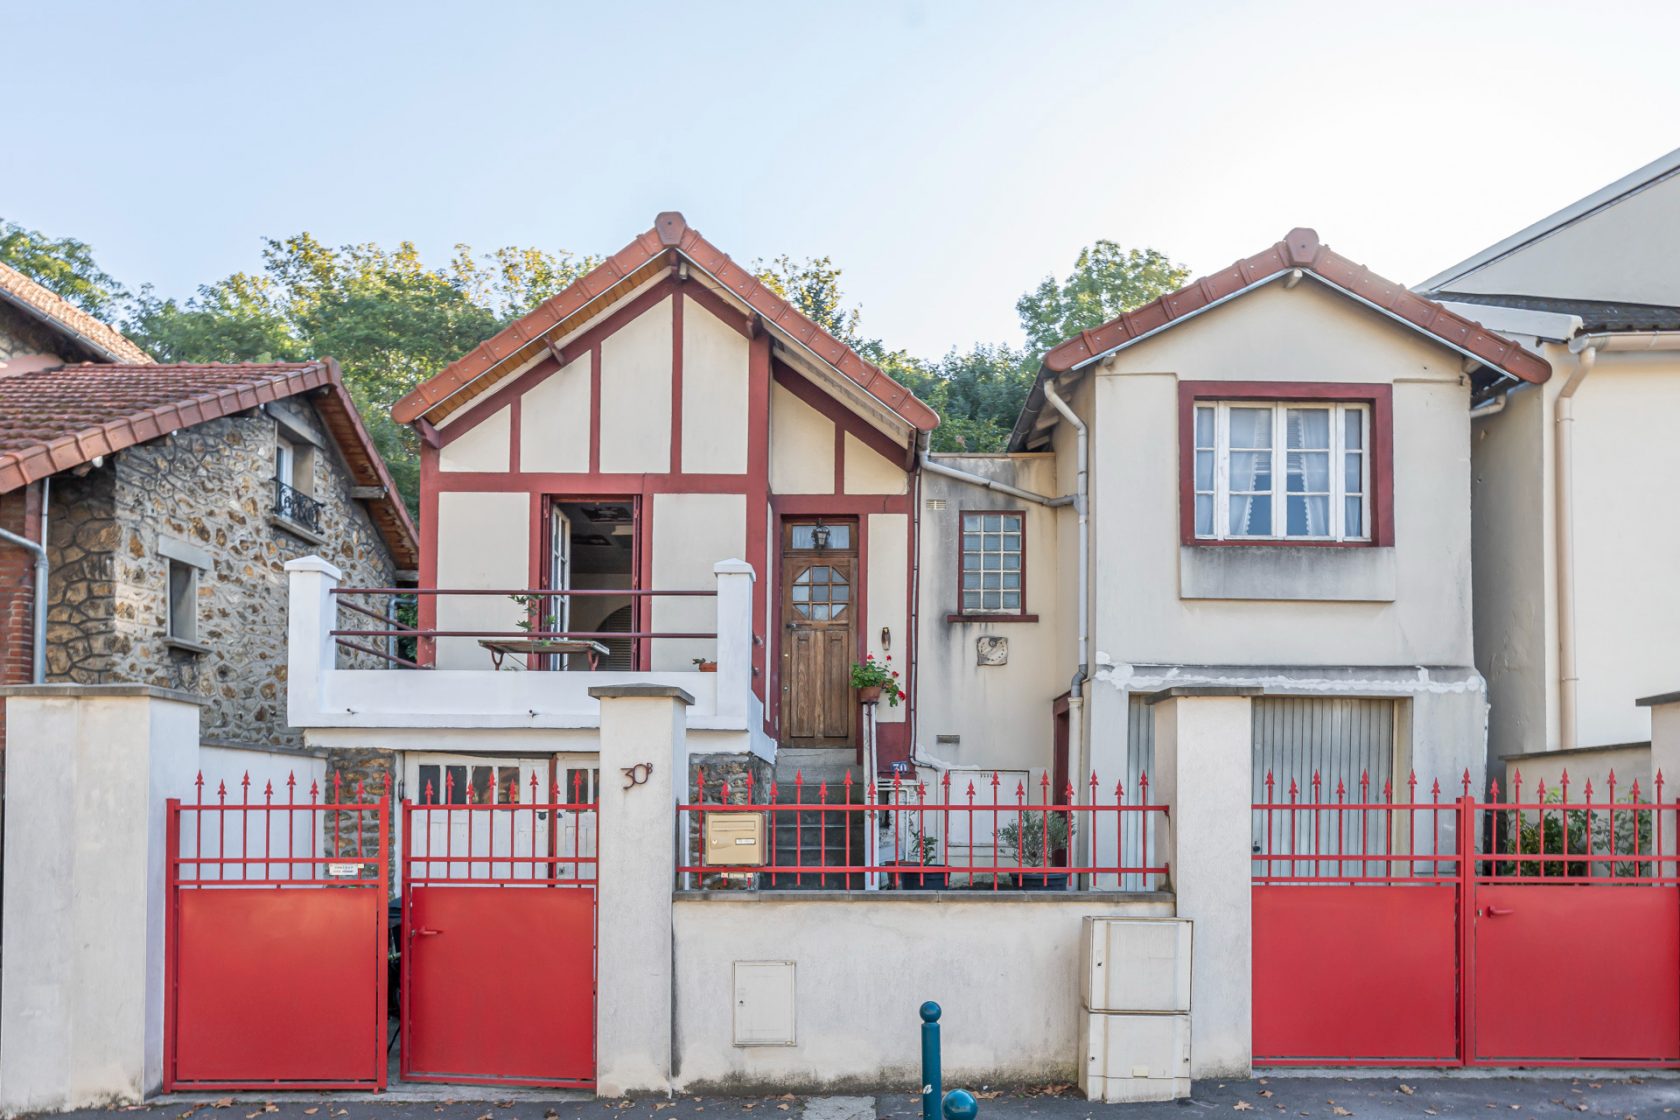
(275, 940)
(498, 936)
(1553, 939)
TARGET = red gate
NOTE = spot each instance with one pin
(275, 941)
(498, 935)
(1556, 942)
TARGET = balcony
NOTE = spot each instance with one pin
(443, 663)
(293, 505)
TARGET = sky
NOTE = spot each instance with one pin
(947, 156)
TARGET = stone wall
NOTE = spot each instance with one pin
(212, 488)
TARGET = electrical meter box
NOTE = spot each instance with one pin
(734, 839)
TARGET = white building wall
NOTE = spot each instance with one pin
(483, 542)
(801, 446)
(691, 533)
(636, 394)
(554, 420)
(483, 447)
(714, 420)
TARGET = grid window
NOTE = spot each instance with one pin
(993, 563)
(1322, 492)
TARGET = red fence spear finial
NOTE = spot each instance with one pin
(1093, 787)
(221, 792)
(1466, 781)
(699, 783)
(314, 790)
(1294, 790)
(426, 794)
(268, 791)
(534, 787)
(748, 783)
(1270, 784)
(1143, 786)
(1318, 787)
(1493, 790)
(1611, 782)
(1434, 788)
(198, 783)
(245, 788)
(1588, 791)
(1044, 786)
(1633, 791)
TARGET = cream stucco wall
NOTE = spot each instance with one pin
(801, 446)
(889, 602)
(1627, 251)
(554, 420)
(691, 533)
(714, 420)
(1304, 334)
(999, 715)
(866, 472)
(636, 394)
(483, 447)
(483, 541)
(1006, 974)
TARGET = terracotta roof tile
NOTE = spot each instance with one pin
(670, 232)
(1299, 249)
(53, 420)
(106, 341)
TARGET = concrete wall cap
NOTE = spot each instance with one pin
(1658, 700)
(641, 692)
(314, 564)
(98, 692)
(732, 567)
(1201, 691)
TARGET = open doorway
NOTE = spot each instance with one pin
(593, 547)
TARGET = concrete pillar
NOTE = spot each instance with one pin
(1665, 760)
(311, 650)
(82, 933)
(734, 639)
(1204, 761)
(643, 735)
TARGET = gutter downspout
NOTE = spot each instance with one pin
(1586, 348)
(935, 467)
(38, 666)
(1082, 506)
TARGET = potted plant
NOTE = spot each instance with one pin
(704, 665)
(1030, 836)
(921, 851)
(874, 679)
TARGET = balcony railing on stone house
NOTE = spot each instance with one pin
(296, 506)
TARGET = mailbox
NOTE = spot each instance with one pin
(734, 839)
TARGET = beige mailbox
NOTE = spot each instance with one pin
(734, 839)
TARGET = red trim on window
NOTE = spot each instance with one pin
(960, 615)
(1380, 398)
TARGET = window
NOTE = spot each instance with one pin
(183, 602)
(285, 461)
(1282, 470)
(294, 476)
(993, 564)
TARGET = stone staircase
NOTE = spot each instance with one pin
(809, 839)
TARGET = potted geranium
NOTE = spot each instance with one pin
(876, 679)
(1030, 836)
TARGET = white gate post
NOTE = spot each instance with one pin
(1204, 764)
(311, 650)
(644, 761)
(81, 1002)
(1665, 760)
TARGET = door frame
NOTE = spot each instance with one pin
(859, 551)
(542, 564)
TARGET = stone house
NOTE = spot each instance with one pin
(169, 498)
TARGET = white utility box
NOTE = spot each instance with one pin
(1133, 1057)
(1134, 1020)
(1135, 964)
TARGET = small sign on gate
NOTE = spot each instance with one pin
(344, 870)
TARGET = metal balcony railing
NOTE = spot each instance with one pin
(296, 506)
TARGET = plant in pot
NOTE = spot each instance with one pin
(875, 680)
(704, 665)
(1031, 836)
(919, 851)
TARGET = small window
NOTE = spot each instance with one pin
(993, 563)
(285, 462)
(821, 538)
(1287, 471)
(183, 601)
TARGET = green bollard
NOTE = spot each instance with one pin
(961, 1105)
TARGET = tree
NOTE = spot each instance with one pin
(1107, 280)
(391, 321)
(64, 266)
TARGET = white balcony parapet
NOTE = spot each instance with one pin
(322, 696)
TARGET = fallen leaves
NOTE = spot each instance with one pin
(1243, 1106)
(1407, 1089)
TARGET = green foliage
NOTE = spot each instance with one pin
(64, 266)
(870, 673)
(1571, 835)
(1025, 836)
(1106, 281)
(813, 286)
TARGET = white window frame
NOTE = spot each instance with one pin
(1279, 492)
(181, 619)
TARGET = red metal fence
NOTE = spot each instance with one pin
(275, 939)
(499, 936)
(891, 835)
(1528, 932)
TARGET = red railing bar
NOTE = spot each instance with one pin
(518, 635)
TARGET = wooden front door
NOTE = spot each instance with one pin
(819, 612)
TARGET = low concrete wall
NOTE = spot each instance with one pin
(1004, 967)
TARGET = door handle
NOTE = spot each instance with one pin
(1499, 911)
(424, 932)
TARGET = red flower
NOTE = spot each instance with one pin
(895, 674)
(901, 694)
